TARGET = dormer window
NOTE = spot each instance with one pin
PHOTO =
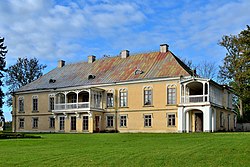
(138, 71)
(52, 81)
(91, 77)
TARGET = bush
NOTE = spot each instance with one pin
(10, 135)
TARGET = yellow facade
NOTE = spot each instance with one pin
(135, 111)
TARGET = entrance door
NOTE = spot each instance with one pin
(198, 122)
(97, 123)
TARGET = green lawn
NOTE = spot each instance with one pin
(194, 149)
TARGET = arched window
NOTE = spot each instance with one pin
(171, 94)
(110, 98)
(148, 100)
(123, 95)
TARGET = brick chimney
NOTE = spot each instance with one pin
(164, 48)
(61, 63)
(91, 59)
(124, 54)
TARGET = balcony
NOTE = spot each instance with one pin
(78, 100)
(67, 106)
(194, 99)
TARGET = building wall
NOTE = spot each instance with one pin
(43, 114)
(135, 111)
(225, 121)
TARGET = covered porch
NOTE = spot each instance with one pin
(196, 119)
(84, 99)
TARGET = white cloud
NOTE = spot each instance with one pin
(50, 31)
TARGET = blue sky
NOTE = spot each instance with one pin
(71, 30)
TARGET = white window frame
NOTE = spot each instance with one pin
(50, 122)
(148, 97)
(170, 119)
(148, 120)
(110, 99)
(35, 109)
(123, 122)
(21, 123)
(110, 123)
(123, 97)
(35, 123)
(83, 125)
(171, 96)
(50, 108)
(21, 98)
(59, 120)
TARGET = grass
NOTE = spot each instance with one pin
(195, 149)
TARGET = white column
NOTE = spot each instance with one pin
(184, 94)
(77, 98)
(208, 92)
(181, 119)
(203, 92)
(187, 122)
(213, 120)
(207, 119)
(65, 94)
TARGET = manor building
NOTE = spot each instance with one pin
(149, 92)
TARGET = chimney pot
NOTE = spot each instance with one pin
(61, 63)
(91, 58)
(124, 54)
(164, 48)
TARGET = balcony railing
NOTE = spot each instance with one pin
(194, 99)
(67, 106)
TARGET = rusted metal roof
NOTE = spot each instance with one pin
(112, 69)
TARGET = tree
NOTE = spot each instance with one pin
(3, 52)
(236, 68)
(23, 72)
(205, 69)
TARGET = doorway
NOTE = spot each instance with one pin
(97, 123)
(198, 122)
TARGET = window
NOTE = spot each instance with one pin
(123, 121)
(51, 122)
(221, 119)
(171, 119)
(21, 104)
(35, 123)
(123, 97)
(73, 123)
(51, 103)
(110, 121)
(110, 99)
(21, 123)
(148, 120)
(35, 103)
(147, 96)
(171, 95)
(97, 98)
(85, 123)
(61, 123)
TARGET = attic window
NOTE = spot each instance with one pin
(52, 81)
(91, 77)
(138, 71)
